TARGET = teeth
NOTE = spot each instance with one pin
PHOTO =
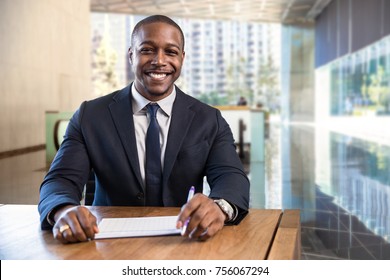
(157, 76)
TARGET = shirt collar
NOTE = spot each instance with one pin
(139, 102)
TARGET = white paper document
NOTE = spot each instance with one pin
(132, 227)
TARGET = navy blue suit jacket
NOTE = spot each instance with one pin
(101, 136)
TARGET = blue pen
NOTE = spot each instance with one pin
(190, 195)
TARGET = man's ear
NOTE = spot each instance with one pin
(130, 54)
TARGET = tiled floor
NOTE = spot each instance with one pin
(341, 184)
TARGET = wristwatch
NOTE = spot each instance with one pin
(226, 208)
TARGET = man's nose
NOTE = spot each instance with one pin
(159, 58)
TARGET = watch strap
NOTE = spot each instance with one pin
(226, 208)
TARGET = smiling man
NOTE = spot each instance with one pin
(147, 145)
(156, 56)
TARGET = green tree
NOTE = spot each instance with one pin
(237, 81)
(378, 89)
(268, 92)
(213, 98)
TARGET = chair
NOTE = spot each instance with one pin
(90, 189)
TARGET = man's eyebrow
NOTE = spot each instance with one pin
(148, 42)
(174, 46)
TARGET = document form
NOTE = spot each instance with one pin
(133, 227)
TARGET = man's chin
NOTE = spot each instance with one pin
(159, 91)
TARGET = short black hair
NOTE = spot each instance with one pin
(154, 19)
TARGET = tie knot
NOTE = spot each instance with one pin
(152, 109)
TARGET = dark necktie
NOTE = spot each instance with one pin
(153, 171)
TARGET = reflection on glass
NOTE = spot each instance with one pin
(363, 179)
(360, 82)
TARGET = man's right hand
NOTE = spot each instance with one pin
(74, 224)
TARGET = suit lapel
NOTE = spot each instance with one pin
(122, 115)
(182, 116)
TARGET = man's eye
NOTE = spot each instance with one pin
(171, 52)
(146, 50)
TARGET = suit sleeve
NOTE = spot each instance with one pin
(224, 170)
(68, 173)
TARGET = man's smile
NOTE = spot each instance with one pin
(157, 75)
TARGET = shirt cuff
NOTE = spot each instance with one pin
(50, 218)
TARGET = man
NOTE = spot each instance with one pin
(109, 135)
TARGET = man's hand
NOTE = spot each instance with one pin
(74, 224)
(206, 218)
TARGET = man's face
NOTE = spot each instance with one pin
(156, 56)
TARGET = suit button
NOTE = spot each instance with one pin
(140, 195)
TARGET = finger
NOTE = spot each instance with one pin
(62, 232)
(77, 233)
(88, 224)
(58, 235)
(202, 226)
(188, 209)
(179, 223)
(212, 229)
(198, 222)
(210, 232)
(68, 235)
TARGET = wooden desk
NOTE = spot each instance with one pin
(263, 234)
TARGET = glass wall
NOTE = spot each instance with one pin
(225, 60)
(360, 82)
(361, 181)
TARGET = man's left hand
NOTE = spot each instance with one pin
(205, 217)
